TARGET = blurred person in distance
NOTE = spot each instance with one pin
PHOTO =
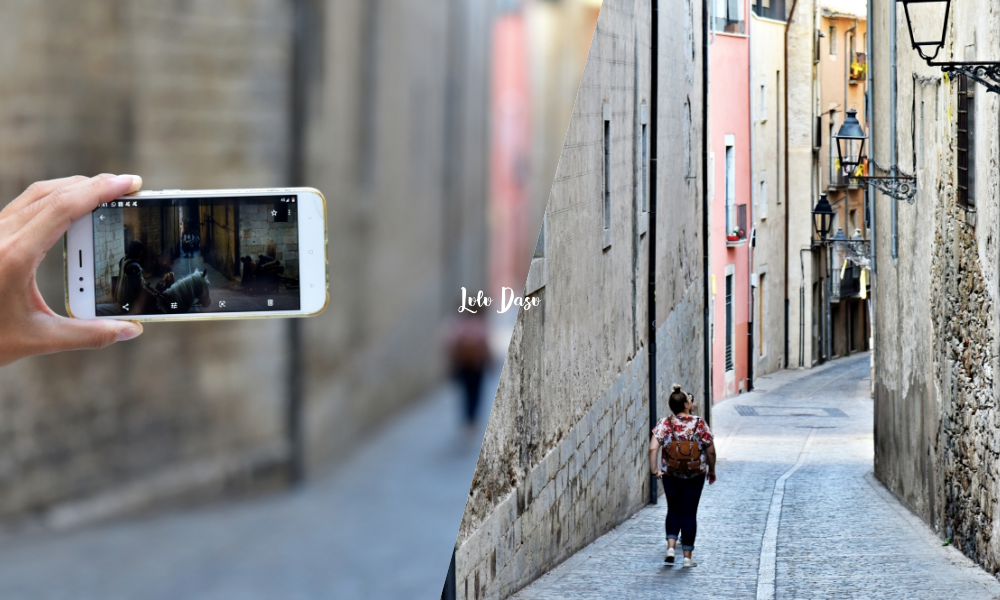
(468, 347)
(29, 227)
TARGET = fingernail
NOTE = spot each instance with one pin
(134, 181)
(128, 333)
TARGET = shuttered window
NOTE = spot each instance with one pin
(729, 322)
(966, 151)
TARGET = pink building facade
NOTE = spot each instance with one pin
(731, 216)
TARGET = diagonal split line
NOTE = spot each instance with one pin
(769, 545)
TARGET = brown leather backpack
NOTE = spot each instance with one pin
(682, 457)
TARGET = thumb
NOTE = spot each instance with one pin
(76, 334)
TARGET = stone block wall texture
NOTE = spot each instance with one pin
(196, 94)
(261, 233)
(109, 248)
(937, 429)
(564, 456)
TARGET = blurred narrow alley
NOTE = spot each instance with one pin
(381, 524)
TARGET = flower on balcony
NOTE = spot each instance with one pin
(737, 233)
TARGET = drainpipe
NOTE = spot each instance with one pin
(788, 24)
(654, 73)
(304, 17)
(750, 246)
(707, 367)
(893, 248)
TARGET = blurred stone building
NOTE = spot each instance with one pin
(937, 428)
(379, 104)
(564, 458)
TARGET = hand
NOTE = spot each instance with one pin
(29, 227)
(711, 477)
(658, 473)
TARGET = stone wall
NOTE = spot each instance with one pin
(564, 456)
(195, 94)
(937, 430)
(109, 249)
(261, 233)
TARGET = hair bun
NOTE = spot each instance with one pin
(677, 387)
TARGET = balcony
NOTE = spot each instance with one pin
(850, 285)
(839, 180)
(736, 225)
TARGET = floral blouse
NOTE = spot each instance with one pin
(684, 428)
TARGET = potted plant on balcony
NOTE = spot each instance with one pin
(735, 236)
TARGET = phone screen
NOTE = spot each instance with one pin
(162, 256)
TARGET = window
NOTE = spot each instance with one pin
(769, 9)
(728, 16)
(832, 148)
(852, 223)
(966, 147)
(833, 41)
(607, 176)
(762, 200)
(729, 322)
(730, 182)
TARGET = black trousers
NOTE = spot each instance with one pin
(683, 496)
(471, 380)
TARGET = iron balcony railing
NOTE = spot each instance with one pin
(850, 285)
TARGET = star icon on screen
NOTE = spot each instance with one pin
(274, 213)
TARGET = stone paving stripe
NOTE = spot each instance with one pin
(769, 545)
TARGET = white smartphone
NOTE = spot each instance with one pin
(200, 254)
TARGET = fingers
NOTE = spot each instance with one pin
(55, 212)
(61, 334)
(39, 190)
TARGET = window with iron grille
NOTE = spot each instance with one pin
(966, 146)
(729, 322)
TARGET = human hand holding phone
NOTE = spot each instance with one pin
(29, 227)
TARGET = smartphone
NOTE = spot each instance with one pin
(180, 255)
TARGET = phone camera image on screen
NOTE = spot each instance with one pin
(192, 255)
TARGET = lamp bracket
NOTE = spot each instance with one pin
(901, 187)
(985, 74)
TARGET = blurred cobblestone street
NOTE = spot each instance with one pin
(381, 525)
(799, 447)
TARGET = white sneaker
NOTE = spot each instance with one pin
(669, 558)
(689, 562)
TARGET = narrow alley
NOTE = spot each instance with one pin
(380, 525)
(796, 512)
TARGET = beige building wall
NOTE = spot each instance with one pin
(801, 185)
(767, 112)
(936, 288)
(564, 456)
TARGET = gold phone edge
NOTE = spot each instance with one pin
(216, 316)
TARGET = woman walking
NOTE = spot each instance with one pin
(687, 458)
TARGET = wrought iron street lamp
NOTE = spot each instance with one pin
(850, 140)
(822, 218)
(926, 14)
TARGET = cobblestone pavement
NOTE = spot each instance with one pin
(382, 525)
(836, 532)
